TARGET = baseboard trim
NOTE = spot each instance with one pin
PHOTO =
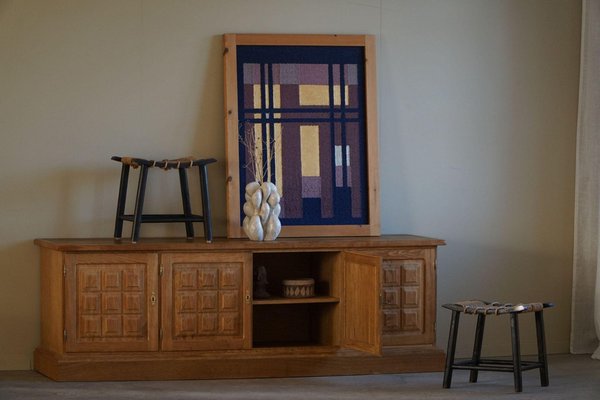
(179, 365)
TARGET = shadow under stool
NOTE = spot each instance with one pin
(187, 217)
(483, 309)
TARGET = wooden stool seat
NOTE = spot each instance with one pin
(483, 309)
(138, 217)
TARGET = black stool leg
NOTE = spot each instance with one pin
(451, 348)
(205, 203)
(139, 204)
(477, 346)
(187, 206)
(516, 350)
(541, 344)
(121, 201)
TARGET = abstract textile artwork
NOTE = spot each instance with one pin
(304, 109)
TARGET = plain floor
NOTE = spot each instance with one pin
(574, 377)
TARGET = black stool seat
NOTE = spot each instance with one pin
(483, 309)
(138, 217)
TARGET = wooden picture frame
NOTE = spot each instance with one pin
(352, 109)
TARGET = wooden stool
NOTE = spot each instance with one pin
(476, 363)
(138, 217)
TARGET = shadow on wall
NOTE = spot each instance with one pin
(85, 198)
(467, 271)
(210, 131)
(163, 195)
(81, 202)
(19, 304)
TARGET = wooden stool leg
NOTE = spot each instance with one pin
(205, 203)
(541, 344)
(476, 358)
(451, 348)
(187, 206)
(139, 204)
(121, 201)
(516, 350)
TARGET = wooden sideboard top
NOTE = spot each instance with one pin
(220, 244)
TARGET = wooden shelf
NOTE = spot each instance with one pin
(286, 300)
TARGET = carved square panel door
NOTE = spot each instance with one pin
(408, 302)
(206, 301)
(111, 302)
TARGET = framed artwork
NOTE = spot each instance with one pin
(301, 113)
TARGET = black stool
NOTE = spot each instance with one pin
(138, 217)
(476, 363)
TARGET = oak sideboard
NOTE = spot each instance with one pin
(179, 309)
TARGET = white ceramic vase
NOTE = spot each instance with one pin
(262, 211)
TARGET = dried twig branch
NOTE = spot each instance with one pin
(258, 163)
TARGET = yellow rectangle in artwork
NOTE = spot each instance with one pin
(318, 95)
(309, 150)
(256, 96)
(258, 152)
(256, 93)
(276, 96)
(337, 97)
(314, 95)
(276, 99)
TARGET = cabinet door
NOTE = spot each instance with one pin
(362, 315)
(206, 301)
(110, 302)
(408, 285)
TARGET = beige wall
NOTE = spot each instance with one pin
(477, 108)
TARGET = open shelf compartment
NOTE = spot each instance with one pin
(291, 322)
